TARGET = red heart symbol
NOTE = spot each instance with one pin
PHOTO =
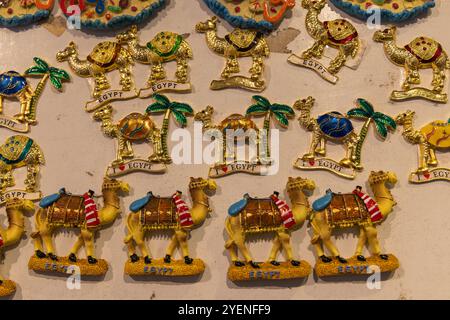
(311, 162)
(426, 175)
(225, 169)
(122, 167)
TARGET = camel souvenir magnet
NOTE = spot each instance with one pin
(238, 127)
(339, 34)
(252, 14)
(387, 10)
(111, 14)
(13, 85)
(346, 210)
(104, 58)
(137, 127)
(152, 213)
(432, 137)
(239, 43)
(166, 46)
(421, 53)
(337, 127)
(74, 212)
(252, 215)
(15, 13)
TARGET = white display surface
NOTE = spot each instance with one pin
(77, 153)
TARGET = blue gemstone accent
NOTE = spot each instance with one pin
(11, 83)
(335, 124)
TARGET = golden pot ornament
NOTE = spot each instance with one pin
(421, 53)
(432, 137)
(152, 213)
(241, 128)
(105, 57)
(13, 85)
(137, 127)
(252, 215)
(166, 46)
(344, 211)
(79, 212)
(239, 43)
(339, 34)
(337, 127)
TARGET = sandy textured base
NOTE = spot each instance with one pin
(269, 272)
(63, 263)
(335, 268)
(7, 288)
(177, 268)
(238, 82)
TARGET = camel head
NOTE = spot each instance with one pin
(127, 36)
(115, 185)
(400, 119)
(20, 204)
(205, 114)
(208, 25)
(300, 184)
(377, 177)
(313, 4)
(387, 34)
(204, 184)
(67, 52)
(103, 113)
(304, 103)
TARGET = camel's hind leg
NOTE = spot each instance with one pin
(76, 248)
(231, 66)
(139, 239)
(316, 141)
(438, 77)
(47, 239)
(257, 68)
(362, 239)
(432, 159)
(100, 84)
(337, 63)
(125, 78)
(88, 238)
(30, 181)
(316, 50)
(182, 69)
(157, 71)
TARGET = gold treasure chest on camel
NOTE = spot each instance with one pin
(346, 210)
(159, 213)
(64, 209)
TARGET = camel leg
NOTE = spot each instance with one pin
(125, 78)
(316, 140)
(30, 181)
(285, 239)
(362, 239)
(1, 104)
(372, 237)
(337, 63)
(9, 179)
(239, 240)
(155, 139)
(157, 72)
(423, 150)
(257, 68)
(100, 84)
(316, 50)
(231, 66)
(321, 148)
(182, 69)
(24, 106)
(76, 248)
(438, 78)
(139, 239)
(182, 236)
(88, 238)
(46, 235)
(432, 159)
(172, 245)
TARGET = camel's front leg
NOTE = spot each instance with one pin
(285, 239)
(101, 83)
(157, 71)
(423, 157)
(231, 66)
(30, 181)
(88, 238)
(432, 159)
(155, 139)
(76, 248)
(316, 50)
(438, 78)
(316, 140)
(182, 236)
(337, 63)
(125, 78)
(372, 236)
(412, 73)
(257, 68)
(25, 101)
(321, 149)
(125, 148)
(182, 69)
(362, 239)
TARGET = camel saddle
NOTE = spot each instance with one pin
(67, 211)
(346, 210)
(105, 54)
(260, 215)
(159, 213)
(243, 40)
(425, 49)
(340, 31)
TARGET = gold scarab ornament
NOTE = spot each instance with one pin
(252, 215)
(432, 137)
(239, 43)
(421, 53)
(344, 211)
(166, 46)
(339, 34)
(153, 213)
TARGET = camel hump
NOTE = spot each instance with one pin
(12, 83)
(335, 125)
(15, 149)
(237, 121)
(425, 49)
(345, 210)
(105, 53)
(437, 134)
(340, 31)
(243, 40)
(136, 126)
(165, 43)
(159, 213)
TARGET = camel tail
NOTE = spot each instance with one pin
(37, 234)
(230, 241)
(129, 237)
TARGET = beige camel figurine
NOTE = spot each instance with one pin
(64, 210)
(164, 47)
(421, 53)
(268, 215)
(239, 43)
(345, 210)
(105, 57)
(15, 210)
(153, 213)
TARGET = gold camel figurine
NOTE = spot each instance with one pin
(164, 47)
(153, 213)
(105, 57)
(15, 210)
(239, 43)
(268, 215)
(421, 53)
(342, 211)
(431, 137)
(71, 212)
(339, 34)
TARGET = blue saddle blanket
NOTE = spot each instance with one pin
(140, 203)
(237, 207)
(323, 202)
(51, 199)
